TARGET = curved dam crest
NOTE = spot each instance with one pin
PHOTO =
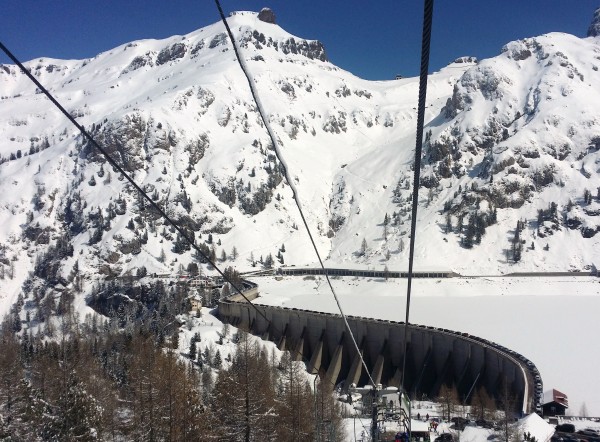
(434, 356)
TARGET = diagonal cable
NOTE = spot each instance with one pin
(279, 155)
(143, 193)
(425, 44)
(127, 177)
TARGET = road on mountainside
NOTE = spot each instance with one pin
(369, 273)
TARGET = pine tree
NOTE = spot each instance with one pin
(175, 340)
(213, 254)
(516, 243)
(192, 354)
(207, 356)
(448, 222)
(225, 291)
(363, 248)
(268, 261)
(217, 362)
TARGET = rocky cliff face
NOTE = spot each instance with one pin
(594, 29)
(521, 126)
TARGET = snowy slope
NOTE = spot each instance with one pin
(506, 138)
(178, 115)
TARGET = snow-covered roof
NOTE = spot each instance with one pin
(556, 396)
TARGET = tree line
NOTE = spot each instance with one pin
(95, 381)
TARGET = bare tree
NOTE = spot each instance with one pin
(508, 430)
(244, 396)
(448, 398)
(482, 405)
(296, 418)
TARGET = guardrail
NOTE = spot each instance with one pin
(293, 271)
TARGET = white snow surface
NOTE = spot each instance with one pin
(551, 321)
(349, 144)
(359, 428)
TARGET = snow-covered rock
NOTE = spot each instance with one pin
(506, 138)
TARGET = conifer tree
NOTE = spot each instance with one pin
(217, 361)
(192, 354)
(363, 248)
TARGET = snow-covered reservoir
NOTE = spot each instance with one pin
(552, 321)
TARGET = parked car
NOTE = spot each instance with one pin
(459, 423)
(590, 432)
(565, 428)
(444, 437)
(485, 424)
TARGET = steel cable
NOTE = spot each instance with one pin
(425, 45)
(290, 182)
(127, 177)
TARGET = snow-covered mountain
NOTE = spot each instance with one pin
(511, 140)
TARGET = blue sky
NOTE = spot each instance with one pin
(374, 40)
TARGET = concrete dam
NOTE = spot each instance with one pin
(434, 356)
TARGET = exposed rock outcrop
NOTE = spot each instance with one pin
(266, 15)
(594, 29)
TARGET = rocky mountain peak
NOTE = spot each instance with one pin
(594, 29)
(267, 15)
(465, 59)
(518, 140)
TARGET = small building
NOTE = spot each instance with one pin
(201, 281)
(195, 302)
(555, 403)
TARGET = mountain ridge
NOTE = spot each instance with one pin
(178, 115)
